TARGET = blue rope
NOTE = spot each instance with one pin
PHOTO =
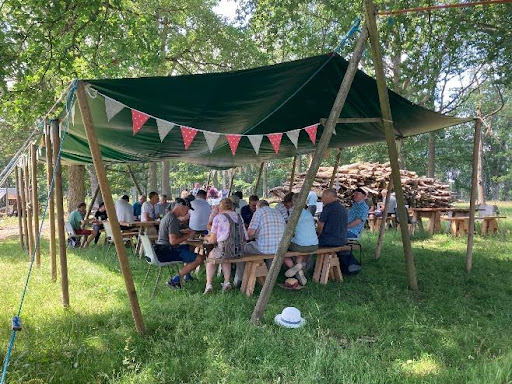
(353, 29)
(69, 102)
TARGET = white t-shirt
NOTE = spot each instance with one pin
(124, 211)
(149, 209)
(242, 203)
(199, 215)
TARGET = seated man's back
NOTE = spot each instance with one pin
(332, 224)
(267, 226)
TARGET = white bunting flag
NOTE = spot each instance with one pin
(294, 136)
(112, 107)
(211, 138)
(164, 127)
(73, 112)
(256, 142)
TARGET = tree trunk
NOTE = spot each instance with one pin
(480, 173)
(152, 186)
(225, 179)
(166, 188)
(215, 179)
(264, 181)
(431, 170)
(76, 186)
(94, 185)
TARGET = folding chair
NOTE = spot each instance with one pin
(355, 242)
(109, 237)
(73, 238)
(151, 258)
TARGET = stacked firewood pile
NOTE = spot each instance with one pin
(420, 191)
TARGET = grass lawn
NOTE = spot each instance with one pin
(369, 329)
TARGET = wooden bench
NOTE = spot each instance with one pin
(327, 266)
(490, 224)
(460, 225)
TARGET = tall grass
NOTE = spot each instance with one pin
(369, 329)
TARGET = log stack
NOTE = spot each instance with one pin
(419, 191)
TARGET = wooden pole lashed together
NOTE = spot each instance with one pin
(59, 204)
(383, 223)
(35, 203)
(310, 177)
(51, 201)
(472, 198)
(335, 169)
(18, 207)
(292, 175)
(255, 192)
(109, 205)
(390, 139)
(24, 207)
(28, 198)
(139, 189)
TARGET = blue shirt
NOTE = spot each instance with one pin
(358, 211)
(312, 198)
(137, 208)
(305, 232)
(334, 233)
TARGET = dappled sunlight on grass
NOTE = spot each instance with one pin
(424, 366)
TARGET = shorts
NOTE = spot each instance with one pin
(302, 248)
(167, 253)
(83, 232)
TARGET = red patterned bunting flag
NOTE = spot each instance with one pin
(311, 130)
(188, 134)
(138, 120)
(275, 140)
(233, 141)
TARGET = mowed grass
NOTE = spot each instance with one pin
(369, 329)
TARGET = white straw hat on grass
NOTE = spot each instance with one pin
(290, 318)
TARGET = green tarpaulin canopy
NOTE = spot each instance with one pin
(259, 101)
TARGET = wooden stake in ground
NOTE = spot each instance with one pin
(18, 206)
(109, 205)
(255, 192)
(24, 207)
(35, 203)
(390, 139)
(384, 221)
(335, 169)
(310, 177)
(59, 204)
(292, 176)
(51, 201)
(472, 198)
(28, 198)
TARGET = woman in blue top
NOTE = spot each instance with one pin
(305, 239)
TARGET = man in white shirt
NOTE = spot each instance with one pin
(200, 213)
(148, 212)
(124, 211)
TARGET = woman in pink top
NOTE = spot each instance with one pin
(229, 236)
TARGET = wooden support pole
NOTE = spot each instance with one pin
(472, 198)
(310, 177)
(28, 198)
(24, 208)
(109, 204)
(208, 179)
(35, 202)
(383, 223)
(18, 207)
(139, 189)
(94, 197)
(59, 204)
(51, 201)
(255, 192)
(335, 169)
(292, 175)
(231, 182)
(390, 139)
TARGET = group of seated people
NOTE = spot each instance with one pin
(235, 228)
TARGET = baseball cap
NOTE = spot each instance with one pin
(186, 203)
(360, 190)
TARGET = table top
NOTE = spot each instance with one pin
(430, 209)
(143, 223)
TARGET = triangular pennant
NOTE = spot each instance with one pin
(73, 112)
(294, 136)
(188, 134)
(233, 141)
(211, 138)
(311, 130)
(112, 107)
(138, 120)
(334, 131)
(256, 142)
(275, 140)
(164, 127)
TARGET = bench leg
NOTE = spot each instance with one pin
(335, 269)
(318, 268)
(251, 281)
(261, 272)
(245, 276)
(324, 277)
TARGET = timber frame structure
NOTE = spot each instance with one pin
(52, 136)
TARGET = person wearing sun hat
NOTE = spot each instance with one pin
(358, 213)
(290, 318)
